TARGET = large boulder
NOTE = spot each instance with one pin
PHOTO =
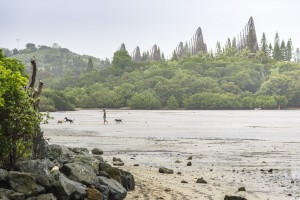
(80, 151)
(79, 172)
(97, 151)
(123, 177)
(65, 188)
(59, 153)
(116, 190)
(22, 182)
(93, 194)
(91, 161)
(40, 170)
(165, 170)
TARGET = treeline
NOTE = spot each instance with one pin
(227, 80)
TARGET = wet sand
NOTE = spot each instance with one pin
(226, 161)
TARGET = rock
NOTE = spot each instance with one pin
(6, 194)
(183, 181)
(93, 194)
(165, 170)
(201, 180)
(103, 173)
(241, 189)
(3, 178)
(65, 188)
(189, 164)
(91, 161)
(190, 158)
(116, 190)
(22, 182)
(123, 177)
(292, 181)
(97, 151)
(39, 169)
(233, 198)
(79, 172)
(177, 161)
(40, 189)
(118, 164)
(58, 152)
(270, 170)
(80, 151)
(117, 159)
(167, 190)
(178, 173)
(103, 166)
(136, 165)
(48, 196)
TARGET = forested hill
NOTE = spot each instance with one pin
(244, 74)
(54, 62)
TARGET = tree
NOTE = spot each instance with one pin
(218, 49)
(264, 44)
(297, 55)
(282, 50)
(19, 120)
(276, 51)
(90, 65)
(122, 60)
(31, 47)
(289, 50)
(174, 56)
(172, 103)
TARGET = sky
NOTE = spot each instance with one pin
(99, 27)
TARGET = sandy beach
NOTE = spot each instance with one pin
(258, 150)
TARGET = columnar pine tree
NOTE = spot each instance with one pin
(276, 50)
(283, 50)
(90, 65)
(289, 50)
(297, 55)
(264, 44)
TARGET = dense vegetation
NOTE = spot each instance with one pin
(228, 79)
(19, 121)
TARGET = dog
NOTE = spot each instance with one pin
(69, 120)
(118, 121)
(60, 121)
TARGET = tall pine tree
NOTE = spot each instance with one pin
(90, 65)
(276, 49)
(264, 44)
(289, 50)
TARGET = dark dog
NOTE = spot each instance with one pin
(69, 120)
(118, 121)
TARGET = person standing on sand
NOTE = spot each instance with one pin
(104, 117)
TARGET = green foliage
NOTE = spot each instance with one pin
(145, 100)
(172, 103)
(122, 60)
(18, 119)
(57, 100)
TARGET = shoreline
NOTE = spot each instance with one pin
(224, 163)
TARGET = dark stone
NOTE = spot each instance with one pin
(165, 170)
(183, 181)
(270, 170)
(136, 165)
(105, 174)
(233, 198)
(103, 166)
(241, 189)
(117, 159)
(97, 151)
(118, 164)
(189, 164)
(79, 172)
(39, 169)
(116, 190)
(22, 182)
(9, 194)
(190, 158)
(65, 188)
(201, 180)
(80, 151)
(93, 194)
(123, 177)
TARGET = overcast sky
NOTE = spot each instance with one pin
(98, 27)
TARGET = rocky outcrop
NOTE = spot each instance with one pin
(67, 173)
(165, 170)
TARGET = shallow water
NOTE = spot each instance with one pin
(276, 125)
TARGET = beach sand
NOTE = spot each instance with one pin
(226, 164)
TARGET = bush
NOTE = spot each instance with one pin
(145, 100)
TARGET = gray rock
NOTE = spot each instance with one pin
(241, 189)
(103, 173)
(118, 163)
(123, 177)
(189, 164)
(65, 188)
(9, 194)
(22, 182)
(39, 169)
(59, 153)
(234, 198)
(97, 151)
(201, 180)
(91, 161)
(80, 151)
(79, 172)
(48, 196)
(165, 170)
(116, 190)
(103, 166)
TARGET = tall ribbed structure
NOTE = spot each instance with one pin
(247, 37)
(193, 46)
